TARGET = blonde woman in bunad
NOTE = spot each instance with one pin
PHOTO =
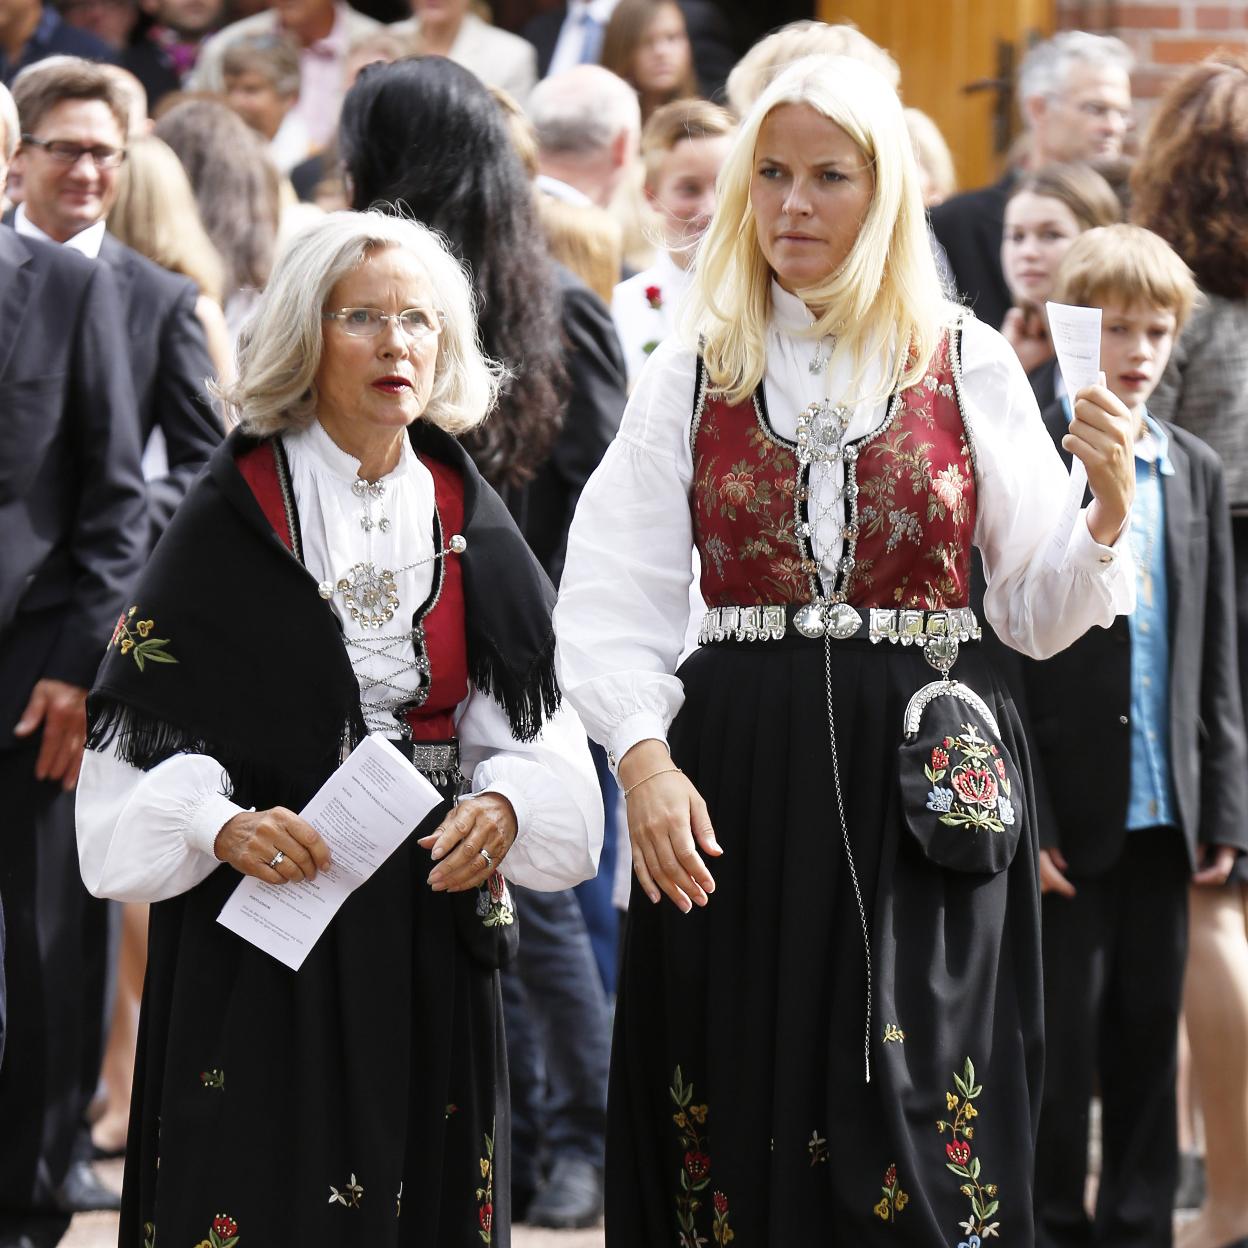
(831, 1031)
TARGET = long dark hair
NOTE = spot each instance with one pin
(425, 136)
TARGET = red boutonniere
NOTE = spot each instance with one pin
(654, 297)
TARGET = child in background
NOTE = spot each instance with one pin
(262, 86)
(683, 146)
(1138, 747)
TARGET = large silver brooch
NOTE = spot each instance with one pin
(370, 597)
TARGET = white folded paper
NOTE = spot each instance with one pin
(1076, 334)
(364, 812)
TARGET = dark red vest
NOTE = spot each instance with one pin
(916, 503)
(445, 639)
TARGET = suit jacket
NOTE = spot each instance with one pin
(497, 57)
(969, 227)
(1043, 380)
(170, 367)
(598, 391)
(1079, 701)
(71, 491)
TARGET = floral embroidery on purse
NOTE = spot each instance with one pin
(978, 795)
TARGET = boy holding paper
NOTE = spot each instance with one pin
(1140, 761)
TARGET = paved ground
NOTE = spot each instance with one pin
(99, 1230)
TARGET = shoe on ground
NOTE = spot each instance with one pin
(82, 1192)
(571, 1198)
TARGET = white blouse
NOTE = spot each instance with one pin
(145, 836)
(624, 597)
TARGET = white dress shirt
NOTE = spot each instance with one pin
(145, 836)
(570, 46)
(624, 595)
(637, 321)
(88, 242)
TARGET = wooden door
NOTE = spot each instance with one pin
(958, 61)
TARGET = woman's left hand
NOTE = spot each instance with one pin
(486, 822)
(1102, 434)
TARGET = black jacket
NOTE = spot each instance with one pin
(598, 390)
(170, 367)
(1043, 380)
(969, 227)
(71, 493)
(1079, 701)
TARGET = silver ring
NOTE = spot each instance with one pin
(277, 859)
(489, 862)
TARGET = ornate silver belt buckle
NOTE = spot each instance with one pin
(843, 621)
(811, 620)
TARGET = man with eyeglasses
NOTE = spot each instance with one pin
(73, 526)
(1074, 93)
(73, 134)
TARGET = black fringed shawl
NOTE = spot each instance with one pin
(228, 649)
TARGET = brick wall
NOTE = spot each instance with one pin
(1165, 35)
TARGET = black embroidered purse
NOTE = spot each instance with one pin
(960, 789)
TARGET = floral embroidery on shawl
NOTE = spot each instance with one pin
(978, 793)
(136, 642)
(961, 1161)
(894, 1199)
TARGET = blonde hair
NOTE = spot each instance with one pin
(156, 214)
(932, 153)
(1126, 264)
(884, 295)
(770, 57)
(586, 239)
(677, 122)
(279, 348)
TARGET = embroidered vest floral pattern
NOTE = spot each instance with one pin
(916, 502)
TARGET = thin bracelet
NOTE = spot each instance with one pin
(667, 771)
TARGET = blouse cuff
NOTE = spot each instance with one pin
(206, 819)
(1086, 553)
(640, 726)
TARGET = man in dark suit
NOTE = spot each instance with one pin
(1138, 731)
(31, 31)
(73, 122)
(1074, 92)
(72, 511)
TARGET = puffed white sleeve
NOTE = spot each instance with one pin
(551, 784)
(624, 597)
(1035, 604)
(148, 835)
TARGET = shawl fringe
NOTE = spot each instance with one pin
(527, 700)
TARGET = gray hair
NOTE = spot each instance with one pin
(279, 349)
(1044, 68)
(581, 111)
(8, 119)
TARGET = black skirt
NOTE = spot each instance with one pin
(361, 1101)
(739, 1104)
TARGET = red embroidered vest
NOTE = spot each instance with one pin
(915, 501)
(442, 625)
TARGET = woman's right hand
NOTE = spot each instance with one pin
(251, 840)
(667, 823)
(1025, 330)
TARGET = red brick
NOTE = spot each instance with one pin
(1185, 51)
(1148, 17)
(1215, 16)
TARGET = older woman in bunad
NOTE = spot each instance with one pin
(340, 570)
(834, 1033)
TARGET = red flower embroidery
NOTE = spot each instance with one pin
(1000, 766)
(654, 297)
(940, 760)
(697, 1166)
(959, 1152)
(975, 786)
(890, 1176)
(486, 1217)
(947, 742)
(721, 1203)
(737, 487)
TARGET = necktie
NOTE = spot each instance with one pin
(591, 38)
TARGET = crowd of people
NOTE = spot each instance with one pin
(838, 825)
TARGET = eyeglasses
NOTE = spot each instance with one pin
(65, 153)
(417, 323)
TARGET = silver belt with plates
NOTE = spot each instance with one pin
(437, 760)
(937, 633)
